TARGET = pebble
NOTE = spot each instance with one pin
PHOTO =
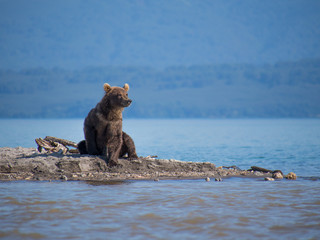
(291, 176)
(277, 175)
(64, 178)
(258, 173)
(269, 179)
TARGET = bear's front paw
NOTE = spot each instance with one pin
(132, 156)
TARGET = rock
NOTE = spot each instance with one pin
(27, 163)
(218, 179)
(291, 176)
(277, 175)
(269, 179)
(207, 179)
(258, 173)
(64, 178)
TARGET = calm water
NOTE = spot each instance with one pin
(186, 209)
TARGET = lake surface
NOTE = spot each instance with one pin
(236, 208)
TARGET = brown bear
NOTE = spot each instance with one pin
(103, 127)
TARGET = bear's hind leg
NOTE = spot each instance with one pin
(91, 145)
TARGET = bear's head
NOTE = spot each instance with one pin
(117, 96)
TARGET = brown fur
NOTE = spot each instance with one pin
(103, 127)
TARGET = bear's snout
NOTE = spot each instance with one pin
(126, 102)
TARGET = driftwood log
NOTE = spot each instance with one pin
(264, 170)
(260, 169)
(53, 144)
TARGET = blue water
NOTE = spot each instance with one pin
(235, 208)
(285, 144)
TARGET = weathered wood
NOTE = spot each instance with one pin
(50, 146)
(53, 144)
(60, 140)
(75, 151)
(259, 169)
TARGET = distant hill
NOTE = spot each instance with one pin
(287, 89)
(75, 34)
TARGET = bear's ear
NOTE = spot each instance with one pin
(106, 87)
(126, 87)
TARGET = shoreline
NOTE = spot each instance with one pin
(28, 164)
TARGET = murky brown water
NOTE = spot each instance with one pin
(185, 209)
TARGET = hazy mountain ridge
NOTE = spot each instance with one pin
(288, 89)
(182, 58)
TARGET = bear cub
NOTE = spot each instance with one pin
(103, 127)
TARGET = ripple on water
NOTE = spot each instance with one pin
(16, 234)
(232, 209)
(150, 217)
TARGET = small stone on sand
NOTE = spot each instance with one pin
(291, 176)
(269, 179)
(277, 175)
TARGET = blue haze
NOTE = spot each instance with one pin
(182, 58)
(78, 33)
